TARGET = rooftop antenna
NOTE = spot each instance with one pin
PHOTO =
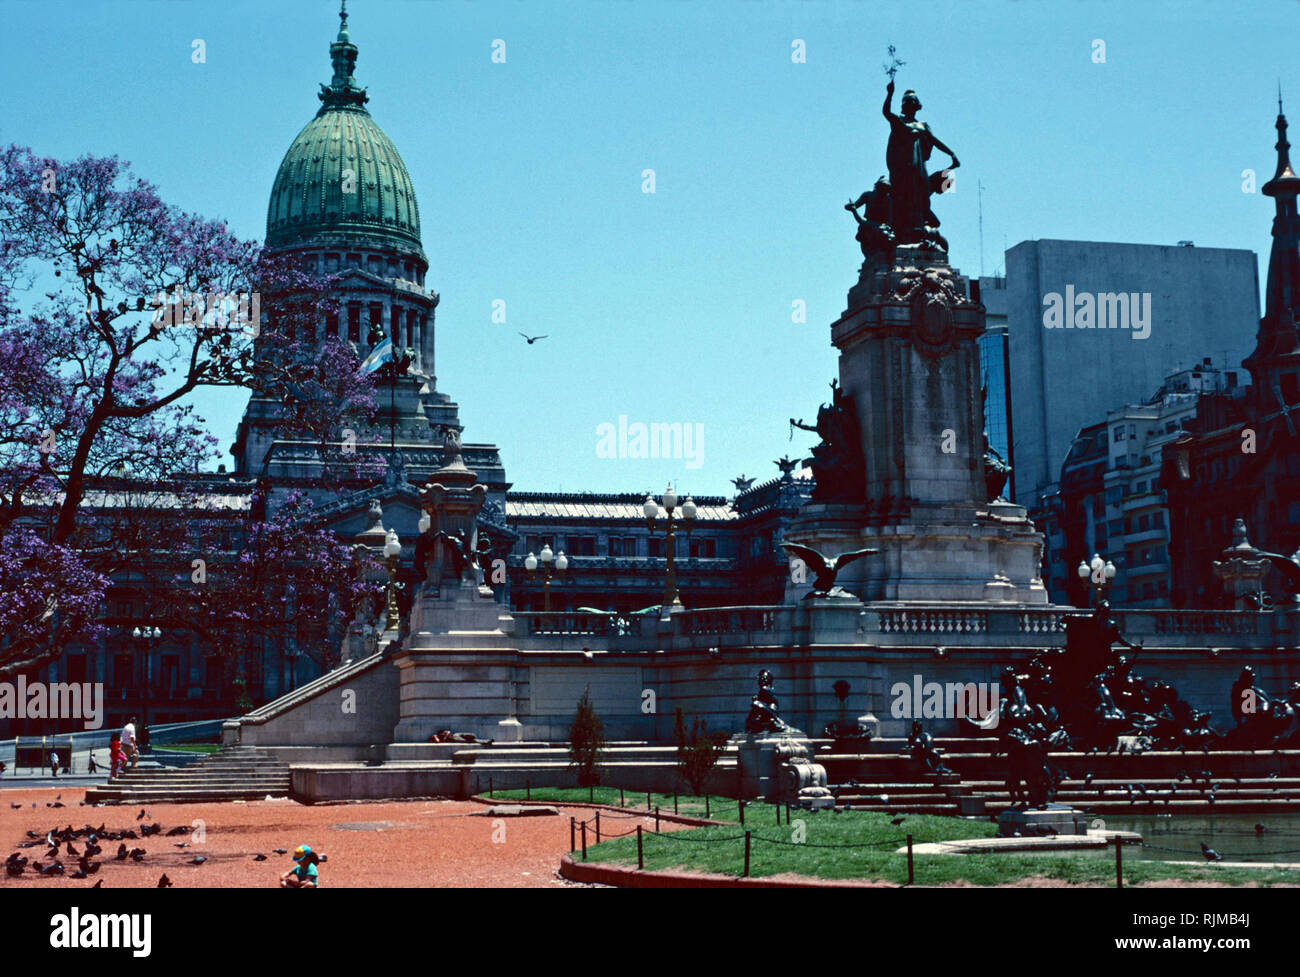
(979, 193)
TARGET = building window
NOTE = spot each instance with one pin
(706, 548)
(122, 677)
(1118, 433)
(656, 547)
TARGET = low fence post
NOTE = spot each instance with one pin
(640, 855)
(741, 805)
(911, 876)
(584, 841)
(656, 819)
(1119, 863)
(573, 830)
(745, 874)
(598, 827)
(528, 790)
(707, 812)
(620, 798)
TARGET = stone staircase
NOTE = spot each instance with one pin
(1238, 781)
(233, 773)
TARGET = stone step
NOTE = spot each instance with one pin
(234, 782)
(178, 796)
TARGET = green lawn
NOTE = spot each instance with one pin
(857, 845)
(189, 747)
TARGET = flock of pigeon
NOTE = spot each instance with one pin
(62, 842)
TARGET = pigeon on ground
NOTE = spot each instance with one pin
(182, 829)
(198, 859)
(137, 854)
(164, 882)
(259, 858)
(54, 868)
(98, 885)
(1210, 854)
(280, 851)
(897, 821)
(121, 853)
(1260, 829)
(182, 844)
(15, 806)
(143, 813)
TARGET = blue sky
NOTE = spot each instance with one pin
(674, 306)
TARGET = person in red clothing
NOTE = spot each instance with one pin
(116, 758)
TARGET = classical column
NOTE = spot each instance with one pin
(426, 343)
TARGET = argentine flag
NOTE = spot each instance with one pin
(381, 354)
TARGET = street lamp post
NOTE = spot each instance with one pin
(145, 640)
(392, 550)
(1098, 573)
(672, 600)
(550, 564)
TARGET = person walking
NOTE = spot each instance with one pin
(128, 743)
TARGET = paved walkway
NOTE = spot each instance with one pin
(382, 844)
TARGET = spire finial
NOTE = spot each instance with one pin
(343, 90)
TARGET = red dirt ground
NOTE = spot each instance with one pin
(394, 844)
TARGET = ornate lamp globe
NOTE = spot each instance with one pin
(530, 563)
(561, 562)
(688, 509)
(650, 508)
(670, 498)
(393, 545)
(1083, 570)
(547, 555)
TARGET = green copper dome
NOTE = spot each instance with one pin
(342, 177)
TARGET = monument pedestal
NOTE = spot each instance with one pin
(907, 437)
(1036, 822)
(778, 767)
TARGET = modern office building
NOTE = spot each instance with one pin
(1092, 325)
(995, 375)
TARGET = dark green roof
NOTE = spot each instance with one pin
(307, 199)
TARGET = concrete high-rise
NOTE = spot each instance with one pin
(1093, 325)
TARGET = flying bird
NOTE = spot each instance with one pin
(825, 568)
(532, 339)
